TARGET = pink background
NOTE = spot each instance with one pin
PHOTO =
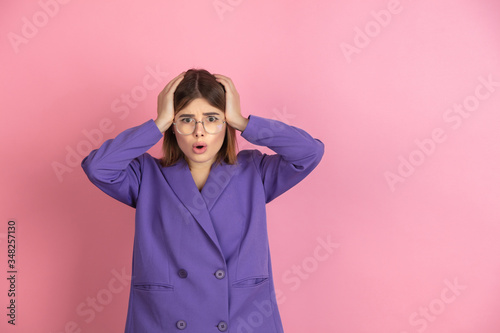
(376, 81)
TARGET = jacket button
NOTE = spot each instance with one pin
(222, 326)
(220, 274)
(181, 324)
(182, 273)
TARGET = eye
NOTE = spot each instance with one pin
(212, 119)
(186, 120)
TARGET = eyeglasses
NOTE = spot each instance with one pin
(211, 124)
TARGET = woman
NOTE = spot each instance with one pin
(201, 260)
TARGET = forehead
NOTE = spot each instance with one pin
(198, 107)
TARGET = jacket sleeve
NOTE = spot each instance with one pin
(297, 154)
(116, 167)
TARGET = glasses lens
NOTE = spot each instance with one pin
(185, 125)
(213, 124)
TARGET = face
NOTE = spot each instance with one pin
(196, 157)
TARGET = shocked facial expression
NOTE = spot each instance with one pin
(199, 147)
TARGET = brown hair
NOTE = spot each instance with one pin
(199, 83)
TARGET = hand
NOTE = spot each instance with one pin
(233, 108)
(166, 104)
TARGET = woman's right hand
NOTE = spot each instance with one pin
(166, 113)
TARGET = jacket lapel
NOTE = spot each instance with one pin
(217, 181)
(182, 183)
(199, 204)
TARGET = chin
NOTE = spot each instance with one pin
(200, 158)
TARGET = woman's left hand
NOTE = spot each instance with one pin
(233, 108)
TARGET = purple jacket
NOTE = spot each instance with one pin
(201, 260)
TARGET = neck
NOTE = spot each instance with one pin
(200, 173)
(200, 167)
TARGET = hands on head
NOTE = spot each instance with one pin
(233, 107)
(165, 108)
(166, 111)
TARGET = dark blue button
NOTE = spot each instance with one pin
(181, 324)
(182, 273)
(220, 274)
(222, 326)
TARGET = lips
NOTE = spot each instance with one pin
(199, 147)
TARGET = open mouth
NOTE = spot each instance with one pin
(199, 147)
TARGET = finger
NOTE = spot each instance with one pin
(225, 82)
(177, 79)
(174, 85)
(228, 83)
(171, 86)
(220, 77)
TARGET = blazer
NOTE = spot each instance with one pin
(201, 260)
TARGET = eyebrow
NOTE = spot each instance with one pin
(205, 114)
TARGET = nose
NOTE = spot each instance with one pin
(199, 130)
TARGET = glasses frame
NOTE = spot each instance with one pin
(194, 128)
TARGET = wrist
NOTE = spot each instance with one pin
(240, 124)
(162, 124)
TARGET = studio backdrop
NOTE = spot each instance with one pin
(396, 230)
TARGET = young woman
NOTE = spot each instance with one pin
(201, 260)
